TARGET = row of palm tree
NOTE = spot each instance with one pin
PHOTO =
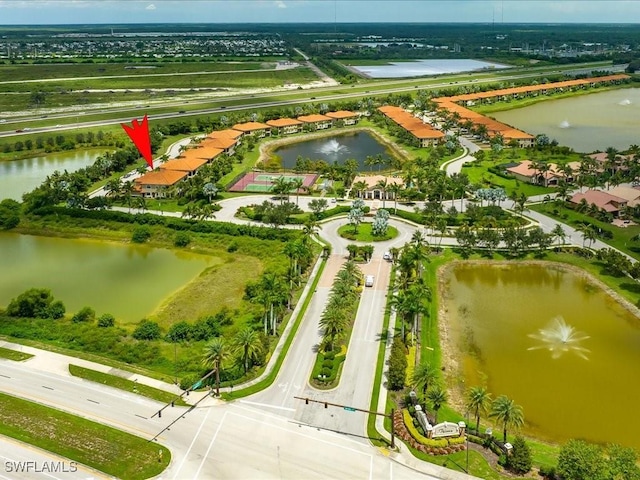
(246, 345)
(503, 409)
(341, 306)
(274, 291)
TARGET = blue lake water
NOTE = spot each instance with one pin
(418, 68)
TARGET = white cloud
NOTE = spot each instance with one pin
(280, 4)
(151, 6)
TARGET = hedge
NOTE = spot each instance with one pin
(179, 224)
(436, 443)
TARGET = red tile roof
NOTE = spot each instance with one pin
(250, 126)
(603, 200)
(284, 122)
(184, 164)
(202, 150)
(340, 114)
(313, 118)
(218, 142)
(161, 178)
(228, 133)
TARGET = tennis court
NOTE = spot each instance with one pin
(258, 182)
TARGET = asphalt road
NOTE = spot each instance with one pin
(238, 440)
(261, 101)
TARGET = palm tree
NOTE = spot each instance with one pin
(210, 190)
(215, 352)
(113, 187)
(508, 413)
(559, 233)
(588, 233)
(395, 188)
(359, 187)
(382, 185)
(402, 304)
(423, 376)
(334, 323)
(127, 192)
(438, 397)
(247, 343)
(478, 401)
(295, 185)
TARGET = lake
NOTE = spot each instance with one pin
(418, 68)
(585, 123)
(334, 149)
(128, 281)
(21, 176)
(554, 343)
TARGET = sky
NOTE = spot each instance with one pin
(42, 12)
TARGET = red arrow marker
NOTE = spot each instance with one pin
(139, 134)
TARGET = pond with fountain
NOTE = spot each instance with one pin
(552, 340)
(585, 123)
(357, 145)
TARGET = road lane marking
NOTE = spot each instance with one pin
(215, 436)
(314, 438)
(204, 420)
(268, 405)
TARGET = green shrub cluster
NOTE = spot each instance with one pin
(397, 364)
(9, 214)
(36, 303)
(141, 234)
(173, 223)
(429, 442)
(86, 314)
(203, 329)
(327, 365)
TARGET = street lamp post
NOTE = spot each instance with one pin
(467, 439)
(175, 361)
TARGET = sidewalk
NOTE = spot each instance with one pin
(46, 361)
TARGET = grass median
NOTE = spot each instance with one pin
(14, 355)
(104, 448)
(124, 384)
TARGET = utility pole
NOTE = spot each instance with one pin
(355, 409)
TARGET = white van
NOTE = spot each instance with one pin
(368, 281)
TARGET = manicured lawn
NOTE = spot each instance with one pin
(478, 173)
(364, 233)
(14, 355)
(124, 384)
(104, 448)
(622, 237)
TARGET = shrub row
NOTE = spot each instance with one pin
(400, 426)
(224, 228)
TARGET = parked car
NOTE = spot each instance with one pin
(387, 256)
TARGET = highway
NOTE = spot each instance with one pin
(123, 114)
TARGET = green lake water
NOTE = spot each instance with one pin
(128, 281)
(585, 123)
(21, 176)
(501, 319)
